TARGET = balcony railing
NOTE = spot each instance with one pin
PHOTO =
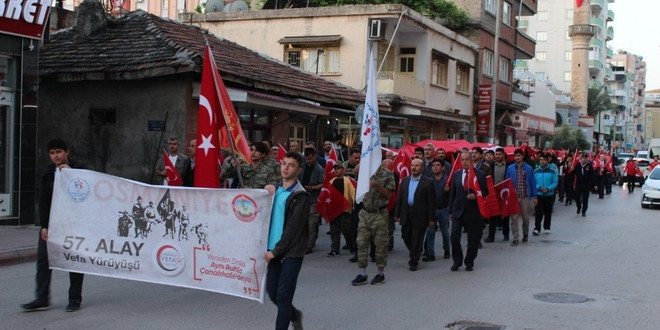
(610, 15)
(526, 46)
(598, 4)
(520, 97)
(610, 33)
(610, 52)
(596, 42)
(596, 21)
(405, 85)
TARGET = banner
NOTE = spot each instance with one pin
(207, 239)
(483, 110)
(24, 18)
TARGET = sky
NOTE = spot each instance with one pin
(637, 30)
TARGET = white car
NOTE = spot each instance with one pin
(651, 189)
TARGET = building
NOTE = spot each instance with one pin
(627, 92)
(501, 44)
(20, 36)
(652, 115)
(162, 8)
(426, 71)
(118, 89)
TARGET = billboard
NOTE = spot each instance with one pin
(24, 18)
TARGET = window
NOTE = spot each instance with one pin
(407, 59)
(313, 58)
(490, 6)
(439, 65)
(541, 56)
(506, 13)
(541, 36)
(298, 133)
(504, 69)
(489, 63)
(569, 13)
(540, 76)
(568, 75)
(388, 64)
(568, 55)
(462, 77)
(542, 16)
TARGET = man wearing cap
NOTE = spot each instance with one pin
(342, 224)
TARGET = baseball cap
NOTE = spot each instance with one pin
(340, 164)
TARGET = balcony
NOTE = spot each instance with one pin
(526, 46)
(528, 7)
(597, 5)
(520, 97)
(595, 66)
(610, 52)
(596, 21)
(610, 33)
(523, 24)
(596, 42)
(401, 84)
(610, 15)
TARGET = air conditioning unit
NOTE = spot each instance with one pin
(376, 29)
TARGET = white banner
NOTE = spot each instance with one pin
(208, 239)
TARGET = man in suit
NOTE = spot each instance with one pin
(464, 212)
(415, 210)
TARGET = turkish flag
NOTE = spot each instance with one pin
(229, 125)
(172, 175)
(507, 198)
(207, 153)
(331, 202)
(608, 165)
(402, 164)
(491, 203)
(458, 164)
(330, 165)
(476, 189)
(281, 152)
(596, 164)
(576, 159)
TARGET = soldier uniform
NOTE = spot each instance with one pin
(256, 177)
(373, 220)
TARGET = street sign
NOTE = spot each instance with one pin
(156, 125)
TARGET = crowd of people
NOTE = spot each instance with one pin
(433, 194)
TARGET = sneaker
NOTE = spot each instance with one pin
(536, 232)
(489, 239)
(547, 231)
(378, 279)
(524, 238)
(428, 258)
(360, 280)
(584, 214)
(72, 307)
(333, 253)
(35, 305)
(515, 242)
(297, 324)
(578, 211)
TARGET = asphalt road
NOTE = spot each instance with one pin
(608, 259)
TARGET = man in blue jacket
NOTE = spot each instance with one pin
(546, 182)
(524, 182)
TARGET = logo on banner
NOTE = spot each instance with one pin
(78, 189)
(170, 260)
(245, 208)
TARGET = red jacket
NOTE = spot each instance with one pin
(630, 168)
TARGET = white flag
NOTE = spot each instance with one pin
(371, 155)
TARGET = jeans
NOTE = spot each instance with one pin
(44, 274)
(442, 222)
(281, 283)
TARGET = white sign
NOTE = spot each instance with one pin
(208, 239)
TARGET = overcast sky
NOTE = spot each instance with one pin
(637, 30)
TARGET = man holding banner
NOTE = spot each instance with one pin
(287, 240)
(59, 156)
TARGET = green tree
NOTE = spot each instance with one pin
(569, 138)
(455, 17)
(598, 99)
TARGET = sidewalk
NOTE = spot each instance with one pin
(18, 244)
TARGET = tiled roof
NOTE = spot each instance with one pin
(141, 45)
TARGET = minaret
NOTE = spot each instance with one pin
(581, 33)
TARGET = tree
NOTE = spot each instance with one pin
(455, 17)
(569, 138)
(598, 99)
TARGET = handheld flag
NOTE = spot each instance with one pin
(280, 153)
(331, 202)
(330, 165)
(371, 156)
(172, 175)
(207, 152)
(506, 197)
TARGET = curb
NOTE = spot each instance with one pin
(18, 256)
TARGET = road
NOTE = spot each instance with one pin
(608, 258)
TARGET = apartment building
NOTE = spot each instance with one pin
(627, 92)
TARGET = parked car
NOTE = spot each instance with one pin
(651, 189)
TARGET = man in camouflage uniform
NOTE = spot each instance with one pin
(374, 223)
(255, 175)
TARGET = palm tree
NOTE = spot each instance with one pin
(598, 100)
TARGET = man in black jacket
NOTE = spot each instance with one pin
(287, 240)
(59, 156)
(584, 182)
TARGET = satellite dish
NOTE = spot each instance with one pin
(238, 5)
(214, 6)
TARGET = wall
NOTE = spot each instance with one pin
(126, 148)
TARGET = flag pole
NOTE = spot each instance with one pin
(229, 136)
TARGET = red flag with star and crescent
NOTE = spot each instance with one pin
(281, 152)
(481, 199)
(507, 198)
(331, 202)
(207, 153)
(172, 175)
(402, 164)
(330, 165)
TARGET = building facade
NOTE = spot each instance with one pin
(627, 88)
(425, 71)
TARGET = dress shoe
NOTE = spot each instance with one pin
(506, 238)
(524, 238)
(515, 242)
(584, 214)
(469, 268)
(413, 268)
(578, 211)
(489, 239)
(35, 305)
(428, 258)
(454, 267)
(72, 307)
